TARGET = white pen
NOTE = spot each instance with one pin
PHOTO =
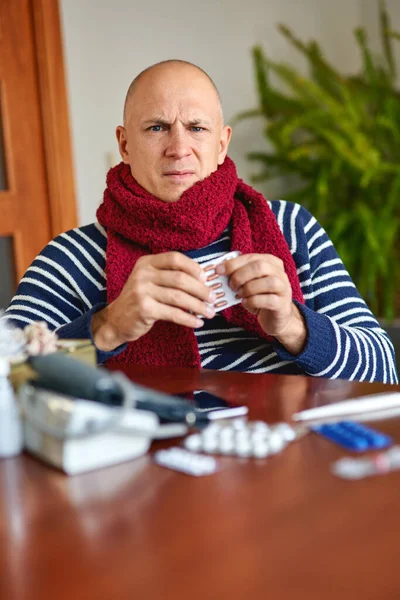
(363, 404)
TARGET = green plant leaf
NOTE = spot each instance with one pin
(384, 23)
(336, 138)
(370, 72)
(246, 114)
(394, 34)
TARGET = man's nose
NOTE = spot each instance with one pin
(178, 144)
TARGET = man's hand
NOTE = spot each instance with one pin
(167, 287)
(260, 280)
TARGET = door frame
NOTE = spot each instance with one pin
(51, 79)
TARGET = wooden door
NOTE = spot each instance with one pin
(28, 124)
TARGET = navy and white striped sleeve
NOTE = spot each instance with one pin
(344, 338)
(65, 285)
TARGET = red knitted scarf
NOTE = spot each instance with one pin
(138, 223)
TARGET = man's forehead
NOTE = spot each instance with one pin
(168, 108)
(171, 91)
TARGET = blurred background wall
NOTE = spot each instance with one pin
(108, 43)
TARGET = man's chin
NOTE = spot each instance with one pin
(173, 192)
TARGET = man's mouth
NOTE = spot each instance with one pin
(179, 175)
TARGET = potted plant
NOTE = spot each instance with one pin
(340, 135)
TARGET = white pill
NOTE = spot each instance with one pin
(173, 455)
(199, 459)
(276, 442)
(186, 462)
(394, 456)
(213, 428)
(226, 433)
(261, 450)
(226, 445)
(238, 424)
(349, 468)
(287, 432)
(260, 426)
(209, 435)
(194, 442)
(208, 464)
(244, 448)
(259, 436)
(243, 435)
(210, 444)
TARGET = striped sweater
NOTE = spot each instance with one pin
(66, 284)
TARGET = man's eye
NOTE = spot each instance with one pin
(197, 129)
(155, 128)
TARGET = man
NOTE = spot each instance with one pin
(172, 203)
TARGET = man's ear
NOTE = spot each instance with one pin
(120, 132)
(226, 134)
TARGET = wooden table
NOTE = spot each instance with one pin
(279, 528)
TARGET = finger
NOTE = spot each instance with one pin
(255, 269)
(230, 266)
(270, 284)
(176, 261)
(254, 304)
(179, 280)
(176, 298)
(178, 316)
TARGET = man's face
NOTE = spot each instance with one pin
(174, 134)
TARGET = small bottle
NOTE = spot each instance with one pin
(11, 435)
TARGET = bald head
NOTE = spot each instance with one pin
(174, 68)
(173, 134)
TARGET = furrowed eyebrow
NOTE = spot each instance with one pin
(199, 123)
(195, 122)
(156, 121)
(163, 123)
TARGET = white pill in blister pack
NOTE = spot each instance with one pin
(181, 460)
(358, 468)
(194, 442)
(242, 438)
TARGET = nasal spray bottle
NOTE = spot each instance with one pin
(11, 434)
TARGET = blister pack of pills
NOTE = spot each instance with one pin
(225, 297)
(354, 436)
(179, 459)
(358, 468)
(242, 438)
